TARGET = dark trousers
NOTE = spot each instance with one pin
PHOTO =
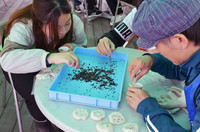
(23, 84)
(91, 4)
(112, 5)
(77, 3)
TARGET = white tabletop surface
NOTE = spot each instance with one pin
(60, 113)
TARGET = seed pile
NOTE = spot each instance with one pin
(95, 75)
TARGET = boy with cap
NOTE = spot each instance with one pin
(171, 28)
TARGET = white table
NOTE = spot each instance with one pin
(60, 113)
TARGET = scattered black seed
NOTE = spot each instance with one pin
(104, 77)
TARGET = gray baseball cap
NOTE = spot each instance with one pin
(157, 20)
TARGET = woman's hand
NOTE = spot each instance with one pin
(135, 96)
(68, 58)
(105, 46)
(140, 66)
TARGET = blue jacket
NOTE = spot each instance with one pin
(154, 115)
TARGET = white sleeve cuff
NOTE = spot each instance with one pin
(43, 59)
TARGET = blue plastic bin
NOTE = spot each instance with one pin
(98, 82)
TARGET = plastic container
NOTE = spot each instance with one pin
(136, 85)
(95, 83)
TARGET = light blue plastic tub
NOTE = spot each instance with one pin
(95, 83)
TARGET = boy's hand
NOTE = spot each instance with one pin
(135, 96)
(140, 66)
(105, 46)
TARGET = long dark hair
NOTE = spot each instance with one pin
(43, 12)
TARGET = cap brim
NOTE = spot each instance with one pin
(144, 44)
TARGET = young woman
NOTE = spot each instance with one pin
(34, 36)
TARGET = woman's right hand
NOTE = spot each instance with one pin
(140, 66)
(68, 58)
(105, 46)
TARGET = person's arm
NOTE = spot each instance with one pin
(166, 68)
(18, 59)
(156, 118)
(148, 106)
(17, 55)
(122, 31)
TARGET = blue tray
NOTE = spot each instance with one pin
(95, 83)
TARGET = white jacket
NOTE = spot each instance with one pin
(26, 60)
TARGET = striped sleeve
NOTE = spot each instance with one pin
(124, 29)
